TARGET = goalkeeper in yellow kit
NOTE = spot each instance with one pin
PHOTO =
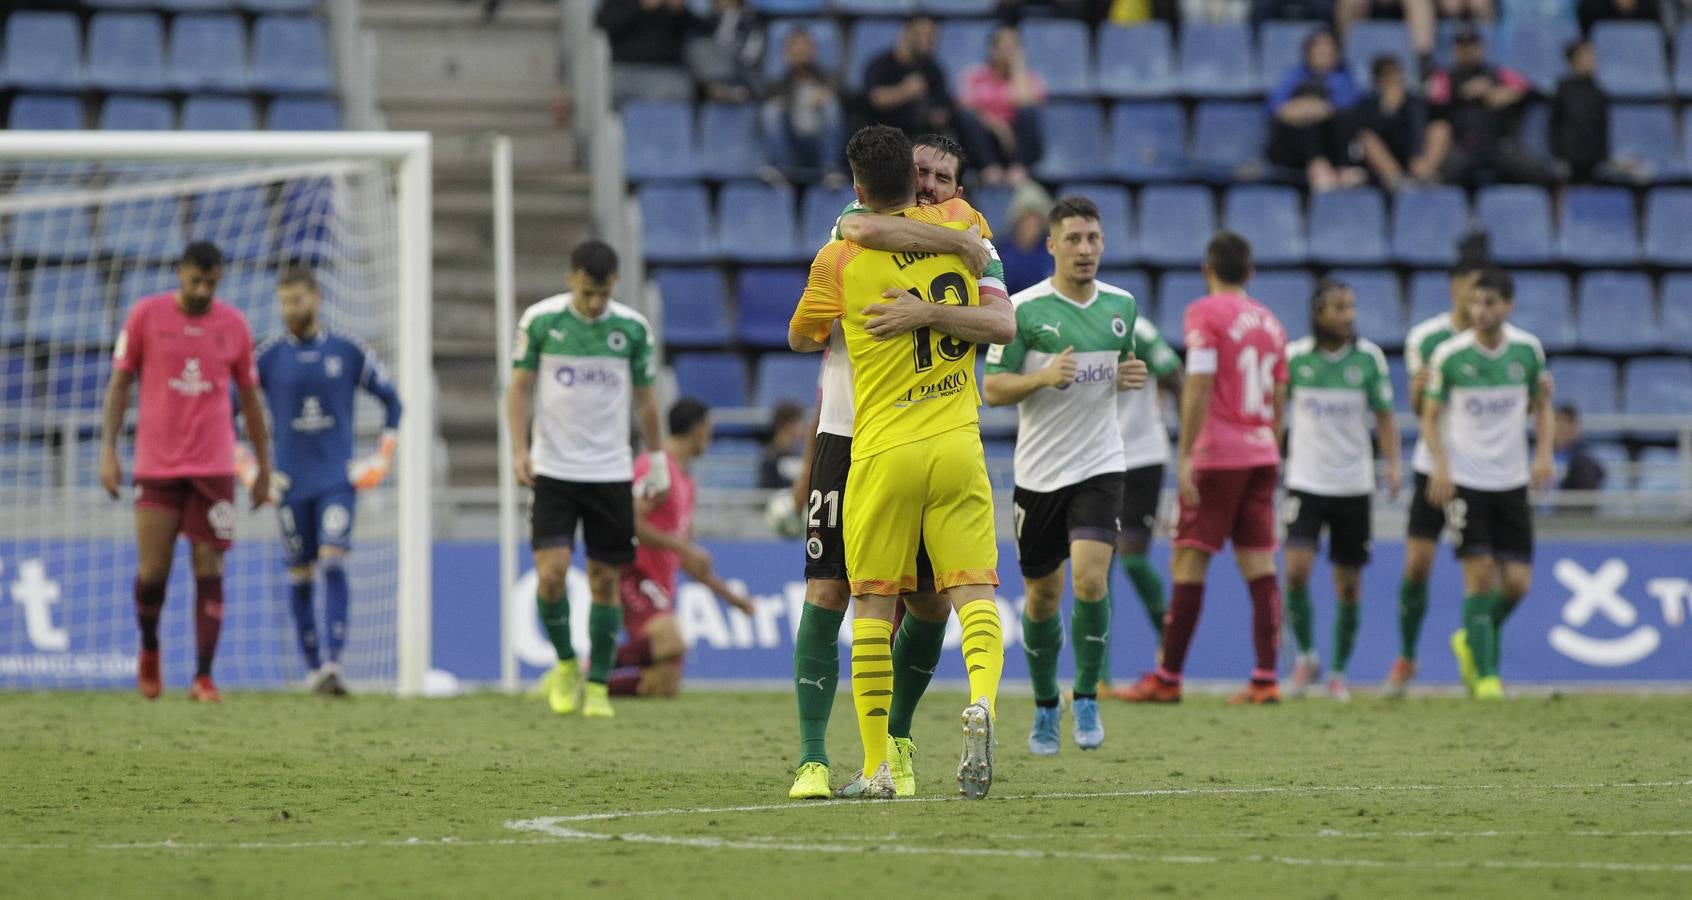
(918, 472)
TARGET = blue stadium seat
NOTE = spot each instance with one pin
(303, 114)
(870, 38)
(126, 52)
(1668, 222)
(1280, 46)
(1371, 38)
(1116, 220)
(1658, 387)
(1677, 310)
(755, 223)
(171, 5)
(251, 289)
(1148, 141)
(962, 44)
(1075, 145)
(728, 140)
(787, 377)
(994, 202)
(1430, 295)
(1226, 137)
(208, 112)
(1348, 227)
(819, 211)
(658, 141)
(192, 68)
(1589, 384)
(1217, 61)
(695, 307)
(824, 33)
(67, 305)
(1545, 308)
(1175, 223)
(1399, 374)
(149, 228)
(1598, 227)
(277, 6)
(237, 219)
(957, 7)
(1134, 282)
(1535, 49)
(1380, 305)
(46, 112)
(1631, 60)
(55, 233)
(43, 51)
(876, 7)
(1518, 220)
(1272, 219)
(1175, 292)
(1287, 294)
(1617, 312)
(137, 114)
(143, 281)
(291, 56)
(675, 223)
(719, 379)
(1060, 51)
(790, 7)
(1646, 134)
(1683, 60)
(1425, 222)
(764, 300)
(1136, 62)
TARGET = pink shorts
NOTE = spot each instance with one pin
(204, 505)
(643, 600)
(1236, 504)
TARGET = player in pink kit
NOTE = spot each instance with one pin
(649, 663)
(1228, 462)
(185, 348)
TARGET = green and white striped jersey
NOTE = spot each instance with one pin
(1333, 399)
(1145, 439)
(1419, 347)
(1067, 435)
(585, 375)
(1485, 395)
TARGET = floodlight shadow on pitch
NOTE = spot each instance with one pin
(1632, 63)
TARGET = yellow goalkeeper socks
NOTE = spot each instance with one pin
(983, 651)
(872, 686)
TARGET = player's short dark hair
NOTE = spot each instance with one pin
(686, 414)
(1073, 206)
(947, 146)
(297, 274)
(1493, 278)
(1324, 288)
(595, 259)
(1474, 253)
(202, 255)
(1568, 411)
(1573, 47)
(1228, 256)
(1382, 64)
(880, 157)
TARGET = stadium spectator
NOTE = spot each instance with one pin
(1309, 105)
(1580, 470)
(1580, 116)
(1391, 122)
(802, 118)
(728, 55)
(1591, 12)
(1000, 116)
(1420, 18)
(784, 452)
(1476, 108)
(648, 43)
(1024, 255)
(905, 85)
(1091, 10)
(1291, 11)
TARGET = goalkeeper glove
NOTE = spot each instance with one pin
(657, 480)
(369, 471)
(246, 468)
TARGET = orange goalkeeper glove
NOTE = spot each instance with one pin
(369, 471)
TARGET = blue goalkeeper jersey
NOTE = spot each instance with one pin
(310, 386)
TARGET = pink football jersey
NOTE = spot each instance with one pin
(673, 516)
(1242, 343)
(185, 365)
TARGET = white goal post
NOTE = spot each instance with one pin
(90, 176)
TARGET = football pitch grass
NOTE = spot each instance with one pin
(103, 795)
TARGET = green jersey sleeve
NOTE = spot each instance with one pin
(641, 357)
(1439, 370)
(852, 208)
(525, 353)
(1379, 383)
(1008, 357)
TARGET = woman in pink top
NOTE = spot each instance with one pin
(1000, 121)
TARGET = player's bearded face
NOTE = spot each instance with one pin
(1488, 309)
(299, 307)
(197, 286)
(591, 296)
(1076, 245)
(1338, 319)
(937, 176)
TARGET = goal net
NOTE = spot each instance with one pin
(84, 233)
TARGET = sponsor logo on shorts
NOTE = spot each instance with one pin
(814, 546)
(221, 518)
(336, 520)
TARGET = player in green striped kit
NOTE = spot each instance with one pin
(1338, 385)
(1073, 351)
(1482, 386)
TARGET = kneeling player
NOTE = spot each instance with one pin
(649, 663)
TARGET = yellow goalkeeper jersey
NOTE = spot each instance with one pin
(919, 384)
